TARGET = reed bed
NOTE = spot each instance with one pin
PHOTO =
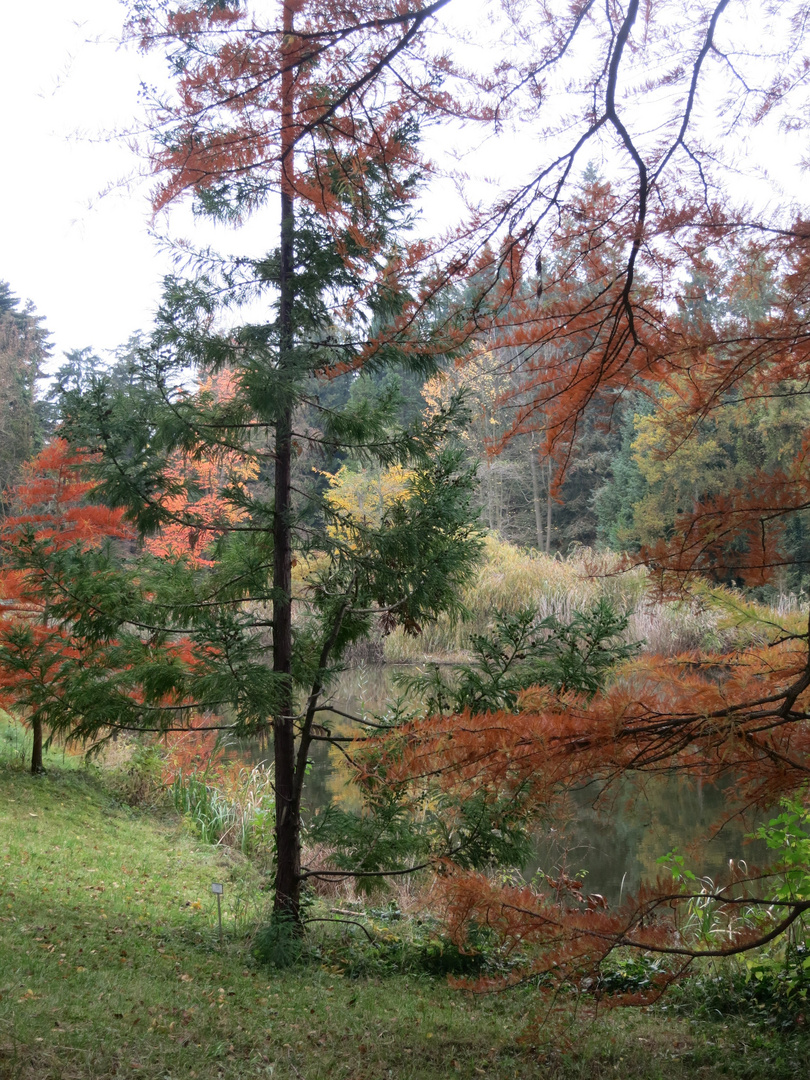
(234, 808)
(511, 578)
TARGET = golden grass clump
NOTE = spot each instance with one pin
(511, 578)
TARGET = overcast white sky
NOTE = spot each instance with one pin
(87, 262)
(72, 239)
(86, 259)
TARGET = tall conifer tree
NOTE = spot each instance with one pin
(252, 633)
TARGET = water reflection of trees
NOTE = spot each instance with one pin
(616, 836)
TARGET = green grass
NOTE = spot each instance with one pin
(111, 966)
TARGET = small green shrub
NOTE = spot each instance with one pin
(770, 987)
(383, 942)
(279, 944)
(630, 973)
(770, 984)
(789, 835)
(237, 811)
(213, 816)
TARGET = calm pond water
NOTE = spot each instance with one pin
(615, 840)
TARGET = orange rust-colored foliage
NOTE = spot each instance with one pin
(51, 504)
(571, 934)
(658, 715)
(53, 499)
(54, 512)
(604, 312)
(196, 749)
(318, 114)
(42, 651)
(229, 115)
(740, 716)
(195, 521)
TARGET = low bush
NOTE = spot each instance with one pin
(137, 779)
(381, 942)
(630, 973)
(769, 988)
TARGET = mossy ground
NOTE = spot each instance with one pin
(111, 966)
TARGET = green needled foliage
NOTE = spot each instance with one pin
(523, 650)
(408, 826)
(184, 438)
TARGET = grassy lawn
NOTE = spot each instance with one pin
(111, 966)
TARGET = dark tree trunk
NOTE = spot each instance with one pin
(288, 803)
(288, 840)
(36, 753)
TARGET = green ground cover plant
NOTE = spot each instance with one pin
(111, 966)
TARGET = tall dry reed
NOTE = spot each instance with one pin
(510, 578)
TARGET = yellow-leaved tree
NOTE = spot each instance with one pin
(362, 496)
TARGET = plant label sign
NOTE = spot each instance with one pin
(217, 888)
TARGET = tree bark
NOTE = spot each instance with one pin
(287, 901)
(549, 501)
(36, 753)
(538, 512)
